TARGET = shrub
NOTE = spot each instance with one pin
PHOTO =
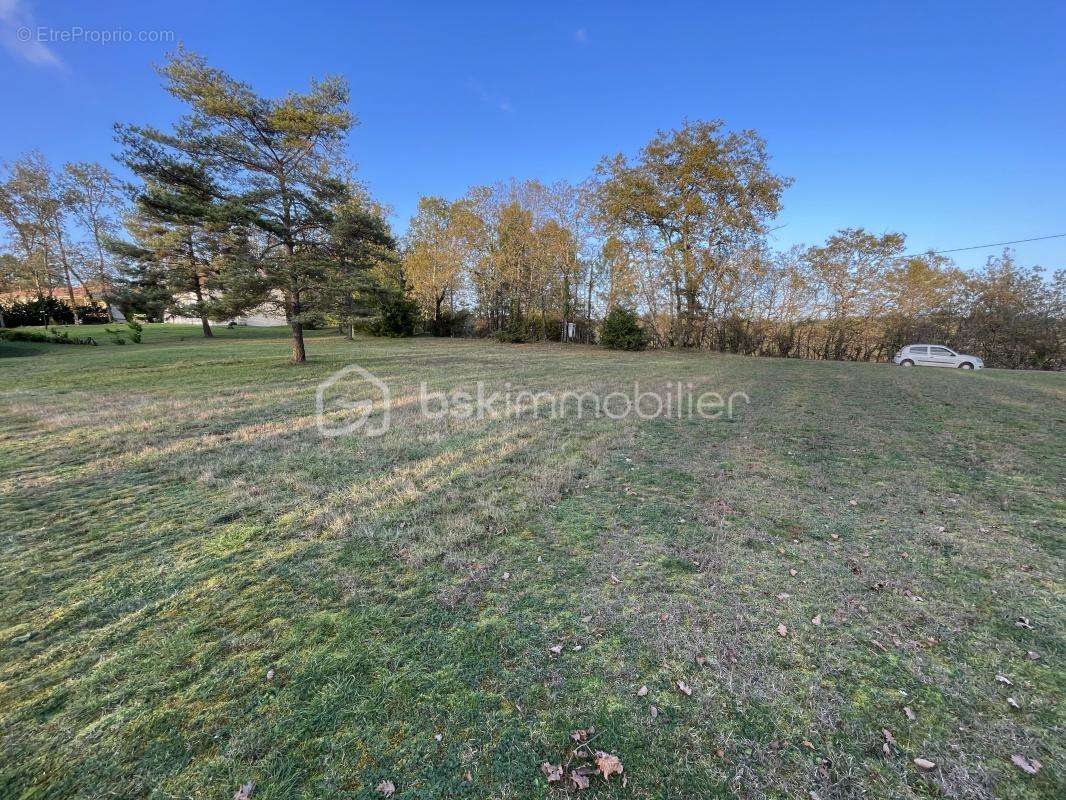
(515, 332)
(49, 336)
(132, 330)
(621, 330)
(450, 323)
(399, 315)
(93, 314)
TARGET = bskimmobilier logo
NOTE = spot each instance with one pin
(355, 400)
(338, 414)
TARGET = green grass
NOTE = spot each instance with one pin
(173, 527)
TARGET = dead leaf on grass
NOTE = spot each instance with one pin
(245, 791)
(784, 596)
(909, 713)
(654, 711)
(642, 691)
(615, 578)
(608, 764)
(556, 649)
(1012, 703)
(1004, 680)
(1027, 765)
(685, 688)
(582, 734)
(386, 789)
(580, 776)
(782, 630)
(1023, 622)
(924, 763)
(817, 620)
(553, 772)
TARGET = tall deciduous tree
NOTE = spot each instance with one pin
(692, 199)
(851, 270)
(437, 251)
(94, 196)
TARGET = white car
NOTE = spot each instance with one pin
(935, 355)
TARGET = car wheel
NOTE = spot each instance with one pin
(966, 365)
(906, 363)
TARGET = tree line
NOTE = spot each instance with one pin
(248, 202)
(680, 235)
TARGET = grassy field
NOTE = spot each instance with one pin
(200, 591)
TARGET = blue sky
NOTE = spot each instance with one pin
(944, 121)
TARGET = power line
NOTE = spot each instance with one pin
(994, 244)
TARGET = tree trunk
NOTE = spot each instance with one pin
(208, 333)
(299, 352)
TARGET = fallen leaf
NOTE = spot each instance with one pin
(1033, 655)
(615, 578)
(1004, 680)
(1012, 703)
(557, 649)
(909, 713)
(507, 576)
(782, 630)
(853, 502)
(654, 711)
(386, 788)
(817, 620)
(834, 535)
(888, 736)
(808, 744)
(878, 645)
(245, 791)
(684, 687)
(270, 674)
(784, 596)
(701, 660)
(579, 735)
(792, 572)
(925, 763)
(1028, 765)
(580, 777)
(1022, 622)
(553, 772)
(467, 776)
(608, 764)
(642, 691)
